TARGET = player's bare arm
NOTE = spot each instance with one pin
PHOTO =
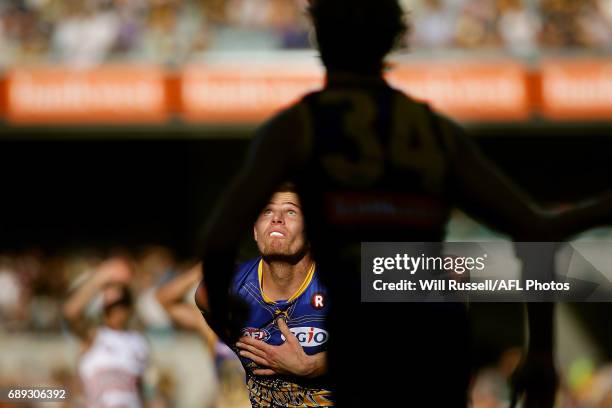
(171, 297)
(281, 146)
(485, 193)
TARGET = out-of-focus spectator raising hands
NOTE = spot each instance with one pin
(113, 359)
(173, 297)
(111, 278)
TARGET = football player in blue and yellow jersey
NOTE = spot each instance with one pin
(284, 336)
(372, 164)
(287, 309)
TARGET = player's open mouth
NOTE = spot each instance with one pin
(276, 234)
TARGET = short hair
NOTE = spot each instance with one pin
(356, 35)
(287, 187)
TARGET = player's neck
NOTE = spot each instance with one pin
(281, 280)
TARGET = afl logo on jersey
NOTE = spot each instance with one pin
(254, 333)
(309, 336)
(318, 301)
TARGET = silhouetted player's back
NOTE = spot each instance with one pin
(378, 163)
(378, 170)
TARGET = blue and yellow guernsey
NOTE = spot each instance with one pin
(305, 313)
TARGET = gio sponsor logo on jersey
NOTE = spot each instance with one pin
(254, 333)
(309, 336)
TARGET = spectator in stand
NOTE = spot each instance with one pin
(560, 26)
(86, 35)
(433, 26)
(518, 27)
(155, 264)
(113, 358)
(596, 25)
(11, 295)
(289, 22)
(476, 27)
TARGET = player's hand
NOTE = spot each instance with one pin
(536, 380)
(288, 358)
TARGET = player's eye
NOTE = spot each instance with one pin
(267, 212)
(292, 212)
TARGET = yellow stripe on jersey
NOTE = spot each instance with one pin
(305, 284)
(300, 290)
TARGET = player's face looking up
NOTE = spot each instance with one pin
(279, 229)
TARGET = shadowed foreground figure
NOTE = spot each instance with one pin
(372, 164)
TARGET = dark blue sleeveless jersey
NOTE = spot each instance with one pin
(305, 313)
(377, 169)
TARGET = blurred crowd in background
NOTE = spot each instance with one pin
(43, 352)
(173, 32)
(33, 285)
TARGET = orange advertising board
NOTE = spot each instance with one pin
(237, 92)
(484, 91)
(495, 91)
(576, 89)
(245, 92)
(115, 94)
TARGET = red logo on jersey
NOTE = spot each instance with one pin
(318, 301)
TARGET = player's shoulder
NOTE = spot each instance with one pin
(287, 131)
(317, 283)
(426, 108)
(245, 271)
(286, 119)
(439, 123)
(416, 105)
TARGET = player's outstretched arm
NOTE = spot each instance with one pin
(585, 215)
(289, 358)
(488, 195)
(277, 149)
(484, 192)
